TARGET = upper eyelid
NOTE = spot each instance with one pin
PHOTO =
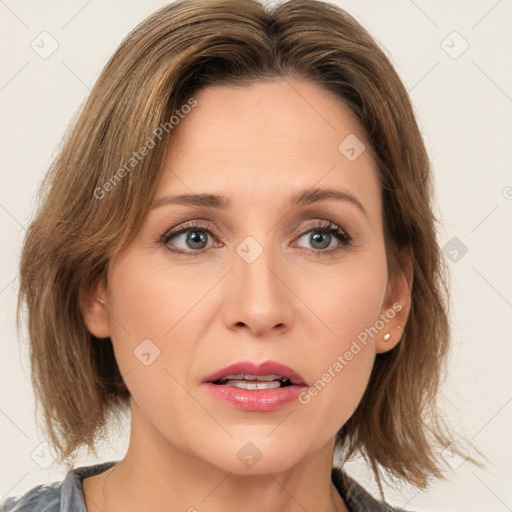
(207, 226)
(325, 212)
(188, 225)
(319, 224)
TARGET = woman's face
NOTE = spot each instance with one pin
(252, 278)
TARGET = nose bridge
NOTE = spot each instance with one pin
(255, 266)
(258, 295)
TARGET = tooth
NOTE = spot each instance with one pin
(268, 377)
(247, 384)
(263, 378)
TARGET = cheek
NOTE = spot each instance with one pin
(154, 322)
(342, 359)
(146, 311)
(145, 303)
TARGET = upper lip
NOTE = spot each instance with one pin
(254, 368)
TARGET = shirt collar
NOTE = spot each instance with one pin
(354, 496)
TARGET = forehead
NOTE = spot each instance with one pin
(259, 143)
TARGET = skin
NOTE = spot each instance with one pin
(258, 145)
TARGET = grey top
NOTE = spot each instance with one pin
(67, 496)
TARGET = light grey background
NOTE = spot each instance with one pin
(463, 100)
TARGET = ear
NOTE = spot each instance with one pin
(396, 305)
(93, 305)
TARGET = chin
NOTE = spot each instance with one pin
(255, 454)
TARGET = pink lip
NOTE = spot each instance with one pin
(250, 368)
(257, 399)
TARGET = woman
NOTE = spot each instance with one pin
(237, 243)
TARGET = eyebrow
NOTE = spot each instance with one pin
(303, 198)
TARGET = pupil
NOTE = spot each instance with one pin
(197, 237)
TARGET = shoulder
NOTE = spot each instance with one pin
(356, 497)
(63, 496)
(45, 497)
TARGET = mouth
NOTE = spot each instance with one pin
(255, 386)
(252, 375)
(242, 381)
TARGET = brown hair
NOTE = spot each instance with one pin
(79, 228)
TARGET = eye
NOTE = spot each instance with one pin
(191, 238)
(322, 235)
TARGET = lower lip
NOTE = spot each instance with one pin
(255, 399)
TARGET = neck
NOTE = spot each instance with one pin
(157, 476)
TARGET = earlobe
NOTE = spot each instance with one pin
(396, 306)
(94, 311)
(389, 339)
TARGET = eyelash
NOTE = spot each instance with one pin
(319, 226)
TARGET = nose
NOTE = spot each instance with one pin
(258, 294)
